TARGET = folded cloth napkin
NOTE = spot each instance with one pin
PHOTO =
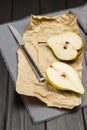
(82, 16)
(39, 30)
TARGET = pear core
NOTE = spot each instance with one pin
(63, 77)
(66, 46)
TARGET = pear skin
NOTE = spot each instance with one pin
(66, 46)
(64, 77)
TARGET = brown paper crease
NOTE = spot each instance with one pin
(39, 30)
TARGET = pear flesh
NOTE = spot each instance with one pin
(62, 76)
(66, 46)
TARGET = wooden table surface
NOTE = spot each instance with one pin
(15, 9)
(14, 116)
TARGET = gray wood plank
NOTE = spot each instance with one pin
(17, 116)
(32, 126)
(5, 10)
(75, 3)
(21, 119)
(23, 8)
(51, 5)
(73, 121)
(85, 117)
(10, 104)
(3, 94)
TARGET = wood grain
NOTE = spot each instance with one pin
(3, 92)
(16, 9)
(51, 5)
(23, 8)
(73, 121)
(85, 117)
(17, 116)
(10, 104)
(75, 3)
(5, 10)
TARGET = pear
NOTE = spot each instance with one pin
(66, 46)
(64, 77)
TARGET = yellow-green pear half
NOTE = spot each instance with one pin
(66, 46)
(62, 76)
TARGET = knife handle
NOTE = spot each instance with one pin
(33, 65)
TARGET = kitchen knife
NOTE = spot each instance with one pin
(21, 43)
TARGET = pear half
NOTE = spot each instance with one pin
(62, 76)
(66, 46)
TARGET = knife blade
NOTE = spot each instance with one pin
(21, 43)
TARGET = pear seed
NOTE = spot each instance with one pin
(65, 47)
(67, 42)
(63, 75)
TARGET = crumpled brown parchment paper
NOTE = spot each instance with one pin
(39, 30)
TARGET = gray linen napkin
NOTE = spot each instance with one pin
(81, 14)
